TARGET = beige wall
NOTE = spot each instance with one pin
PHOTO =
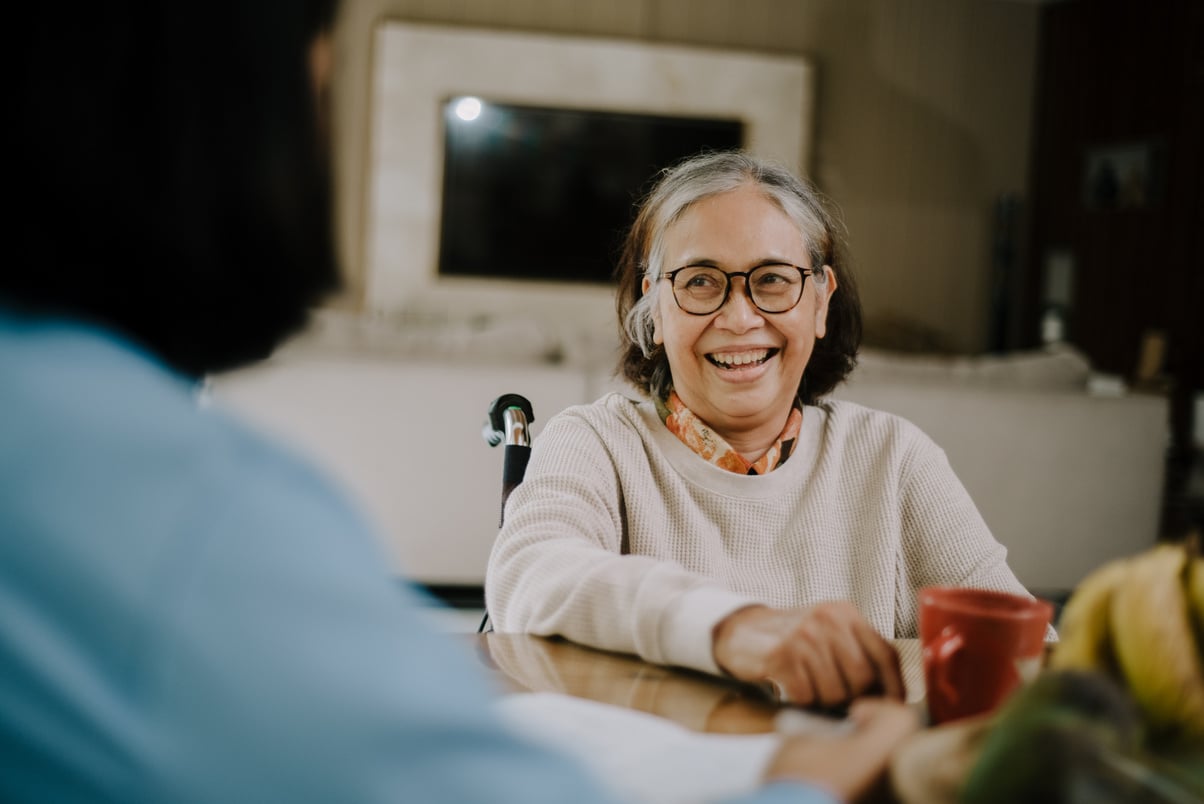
(922, 120)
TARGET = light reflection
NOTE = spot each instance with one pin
(468, 109)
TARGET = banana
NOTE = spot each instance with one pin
(1084, 640)
(1155, 644)
(1195, 593)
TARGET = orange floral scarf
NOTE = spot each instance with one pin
(698, 436)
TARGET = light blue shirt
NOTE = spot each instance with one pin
(189, 613)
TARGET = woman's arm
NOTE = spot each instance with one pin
(557, 566)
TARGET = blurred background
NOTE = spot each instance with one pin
(1015, 175)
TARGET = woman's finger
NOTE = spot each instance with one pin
(826, 678)
(885, 660)
(796, 685)
(854, 662)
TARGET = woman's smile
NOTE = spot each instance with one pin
(731, 361)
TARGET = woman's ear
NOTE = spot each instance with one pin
(823, 292)
(656, 314)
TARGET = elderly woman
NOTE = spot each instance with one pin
(731, 519)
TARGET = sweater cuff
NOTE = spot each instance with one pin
(687, 626)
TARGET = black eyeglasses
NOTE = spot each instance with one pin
(772, 288)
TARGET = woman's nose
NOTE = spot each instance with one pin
(738, 313)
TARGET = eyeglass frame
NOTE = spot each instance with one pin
(727, 290)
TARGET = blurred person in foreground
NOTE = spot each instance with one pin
(187, 611)
(727, 516)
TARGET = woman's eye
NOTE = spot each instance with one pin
(773, 278)
(702, 282)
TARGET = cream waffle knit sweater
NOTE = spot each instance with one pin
(622, 538)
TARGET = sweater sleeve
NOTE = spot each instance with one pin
(945, 540)
(557, 567)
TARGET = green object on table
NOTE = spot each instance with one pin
(1074, 737)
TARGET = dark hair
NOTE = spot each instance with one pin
(172, 177)
(645, 364)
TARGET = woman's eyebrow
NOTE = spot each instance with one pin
(710, 263)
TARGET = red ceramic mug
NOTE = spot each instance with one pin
(978, 646)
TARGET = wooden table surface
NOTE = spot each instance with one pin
(520, 662)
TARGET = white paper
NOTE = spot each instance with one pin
(647, 758)
(641, 757)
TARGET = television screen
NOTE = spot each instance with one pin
(547, 194)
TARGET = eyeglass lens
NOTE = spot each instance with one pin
(702, 289)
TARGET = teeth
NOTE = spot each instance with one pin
(740, 358)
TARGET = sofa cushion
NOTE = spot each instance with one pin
(1060, 367)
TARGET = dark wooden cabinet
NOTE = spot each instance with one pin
(1118, 190)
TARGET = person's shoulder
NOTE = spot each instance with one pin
(81, 381)
(117, 417)
(150, 470)
(846, 413)
(617, 422)
(846, 419)
(612, 409)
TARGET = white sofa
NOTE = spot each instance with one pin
(1064, 478)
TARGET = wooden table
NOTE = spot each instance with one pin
(520, 662)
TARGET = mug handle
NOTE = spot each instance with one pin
(940, 653)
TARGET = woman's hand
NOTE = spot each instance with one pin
(850, 765)
(825, 655)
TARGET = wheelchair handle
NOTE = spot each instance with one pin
(510, 416)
